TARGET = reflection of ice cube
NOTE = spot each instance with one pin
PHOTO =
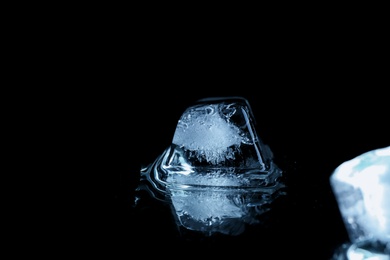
(362, 189)
(219, 211)
(216, 138)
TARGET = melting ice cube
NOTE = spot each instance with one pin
(362, 190)
(217, 173)
(215, 144)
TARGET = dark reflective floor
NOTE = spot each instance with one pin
(310, 133)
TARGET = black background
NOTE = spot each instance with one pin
(318, 93)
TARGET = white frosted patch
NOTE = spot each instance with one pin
(205, 131)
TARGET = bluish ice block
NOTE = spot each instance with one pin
(362, 189)
(217, 174)
(215, 144)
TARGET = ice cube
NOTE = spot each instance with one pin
(215, 143)
(362, 189)
(217, 174)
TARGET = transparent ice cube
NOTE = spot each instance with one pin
(362, 189)
(217, 174)
(215, 144)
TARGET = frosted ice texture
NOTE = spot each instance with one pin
(362, 189)
(208, 133)
(216, 138)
